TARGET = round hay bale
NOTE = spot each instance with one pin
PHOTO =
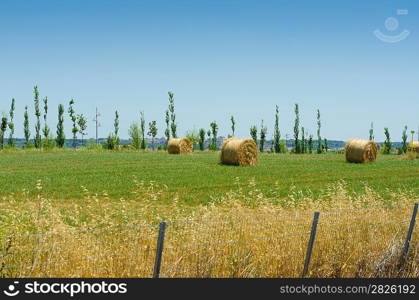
(239, 152)
(360, 151)
(413, 146)
(179, 146)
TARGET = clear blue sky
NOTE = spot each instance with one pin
(220, 58)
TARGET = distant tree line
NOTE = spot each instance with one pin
(302, 142)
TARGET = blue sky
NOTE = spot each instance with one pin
(220, 58)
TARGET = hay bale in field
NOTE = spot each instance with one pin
(239, 152)
(413, 146)
(179, 146)
(360, 151)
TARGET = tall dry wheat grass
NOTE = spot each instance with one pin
(241, 234)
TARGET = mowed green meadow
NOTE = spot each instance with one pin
(197, 177)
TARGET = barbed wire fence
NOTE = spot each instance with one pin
(155, 255)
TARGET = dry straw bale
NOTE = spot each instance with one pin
(239, 152)
(360, 151)
(179, 146)
(414, 146)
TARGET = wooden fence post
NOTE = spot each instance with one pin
(409, 234)
(159, 250)
(311, 243)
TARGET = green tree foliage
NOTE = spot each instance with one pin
(319, 138)
(372, 132)
(277, 133)
(202, 139)
(254, 133)
(173, 124)
(193, 136)
(167, 130)
(387, 142)
(326, 145)
(3, 128)
(310, 144)
(111, 142)
(152, 131)
(303, 141)
(82, 124)
(46, 130)
(73, 118)
(142, 128)
(135, 134)
(297, 145)
(11, 125)
(26, 129)
(116, 128)
(60, 139)
(38, 138)
(233, 126)
(263, 132)
(404, 139)
(214, 132)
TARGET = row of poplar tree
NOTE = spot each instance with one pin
(43, 137)
(388, 145)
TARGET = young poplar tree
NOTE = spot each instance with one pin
(202, 139)
(73, 118)
(152, 131)
(209, 139)
(60, 139)
(26, 129)
(326, 145)
(303, 140)
(387, 142)
(173, 124)
(167, 130)
(116, 128)
(38, 138)
(297, 146)
(372, 132)
(3, 128)
(142, 128)
(277, 133)
(82, 123)
(214, 131)
(135, 135)
(263, 132)
(254, 133)
(319, 138)
(11, 141)
(233, 125)
(46, 129)
(310, 144)
(404, 139)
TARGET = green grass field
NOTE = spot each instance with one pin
(197, 177)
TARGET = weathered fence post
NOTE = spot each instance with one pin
(311, 243)
(159, 250)
(409, 234)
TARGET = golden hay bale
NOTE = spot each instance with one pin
(239, 152)
(360, 151)
(413, 146)
(179, 146)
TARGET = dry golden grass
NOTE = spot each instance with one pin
(241, 234)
